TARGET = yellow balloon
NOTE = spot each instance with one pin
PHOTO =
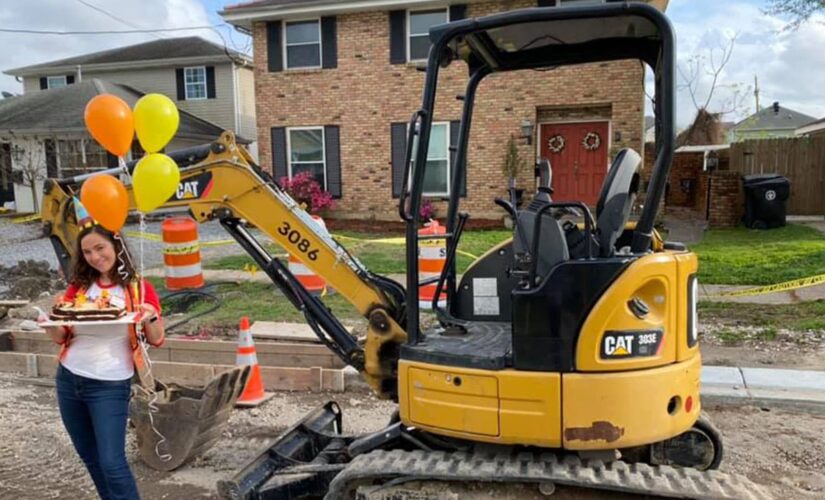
(156, 121)
(155, 179)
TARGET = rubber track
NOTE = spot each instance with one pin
(620, 476)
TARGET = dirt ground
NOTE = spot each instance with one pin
(783, 451)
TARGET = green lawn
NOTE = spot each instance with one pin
(750, 257)
(384, 258)
(258, 301)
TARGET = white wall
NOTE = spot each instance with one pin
(22, 193)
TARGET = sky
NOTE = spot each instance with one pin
(788, 64)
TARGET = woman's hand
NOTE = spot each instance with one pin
(151, 326)
(148, 313)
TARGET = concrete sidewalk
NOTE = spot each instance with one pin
(794, 389)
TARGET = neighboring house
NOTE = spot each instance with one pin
(815, 129)
(43, 135)
(202, 78)
(773, 121)
(337, 80)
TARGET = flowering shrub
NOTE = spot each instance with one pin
(427, 210)
(306, 191)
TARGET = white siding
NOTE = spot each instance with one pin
(220, 111)
(246, 98)
(23, 193)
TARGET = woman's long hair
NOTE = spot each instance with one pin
(83, 275)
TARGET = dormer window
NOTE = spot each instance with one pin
(419, 23)
(302, 44)
(54, 82)
(195, 83)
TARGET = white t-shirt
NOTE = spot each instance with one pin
(100, 352)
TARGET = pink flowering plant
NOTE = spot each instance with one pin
(306, 191)
(427, 210)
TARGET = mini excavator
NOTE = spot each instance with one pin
(566, 358)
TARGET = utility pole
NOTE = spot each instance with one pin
(756, 91)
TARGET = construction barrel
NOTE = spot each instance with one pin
(311, 281)
(181, 253)
(432, 255)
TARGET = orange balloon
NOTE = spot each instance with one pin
(109, 120)
(106, 200)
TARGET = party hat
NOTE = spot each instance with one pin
(84, 220)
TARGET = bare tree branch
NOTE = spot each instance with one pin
(798, 10)
(717, 58)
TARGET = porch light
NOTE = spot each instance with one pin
(527, 131)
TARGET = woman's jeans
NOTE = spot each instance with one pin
(94, 413)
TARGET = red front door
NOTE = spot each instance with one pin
(578, 157)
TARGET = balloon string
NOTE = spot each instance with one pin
(152, 393)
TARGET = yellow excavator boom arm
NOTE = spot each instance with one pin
(226, 185)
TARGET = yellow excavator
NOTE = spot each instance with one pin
(566, 357)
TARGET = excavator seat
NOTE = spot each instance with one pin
(616, 199)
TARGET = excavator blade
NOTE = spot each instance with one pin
(178, 423)
(299, 464)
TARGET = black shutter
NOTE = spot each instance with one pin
(210, 82)
(51, 159)
(398, 145)
(180, 84)
(547, 3)
(279, 168)
(273, 46)
(332, 150)
(458, 11)
(69, 79)
(111, 160)
(44, 84)
(398, 37)
(462, 187)
(329, 41)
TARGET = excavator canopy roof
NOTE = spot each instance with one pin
(543, 38)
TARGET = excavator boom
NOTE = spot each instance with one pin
(221, 182)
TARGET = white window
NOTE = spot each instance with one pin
(437, 172)
(305, 149)
(195, 82)
(419, 23)
(75, 157)
(54, 82)
(302, 44)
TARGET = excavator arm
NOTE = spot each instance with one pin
(220, 181)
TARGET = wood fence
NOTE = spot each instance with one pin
(800, 159)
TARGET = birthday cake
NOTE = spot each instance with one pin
(83, 309)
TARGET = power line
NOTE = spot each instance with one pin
(105, 32)
(112, 16)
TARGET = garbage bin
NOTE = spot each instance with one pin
(766, 196)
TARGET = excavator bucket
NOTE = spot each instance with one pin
(177, 423)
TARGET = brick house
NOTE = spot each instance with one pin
(337, 80)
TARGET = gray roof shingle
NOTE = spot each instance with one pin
(60, 110)
(167, 48)
(769, 119)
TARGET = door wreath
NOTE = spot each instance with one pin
(556, 143)
(592, 141)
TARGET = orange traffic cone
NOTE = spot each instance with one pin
(253, 394)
